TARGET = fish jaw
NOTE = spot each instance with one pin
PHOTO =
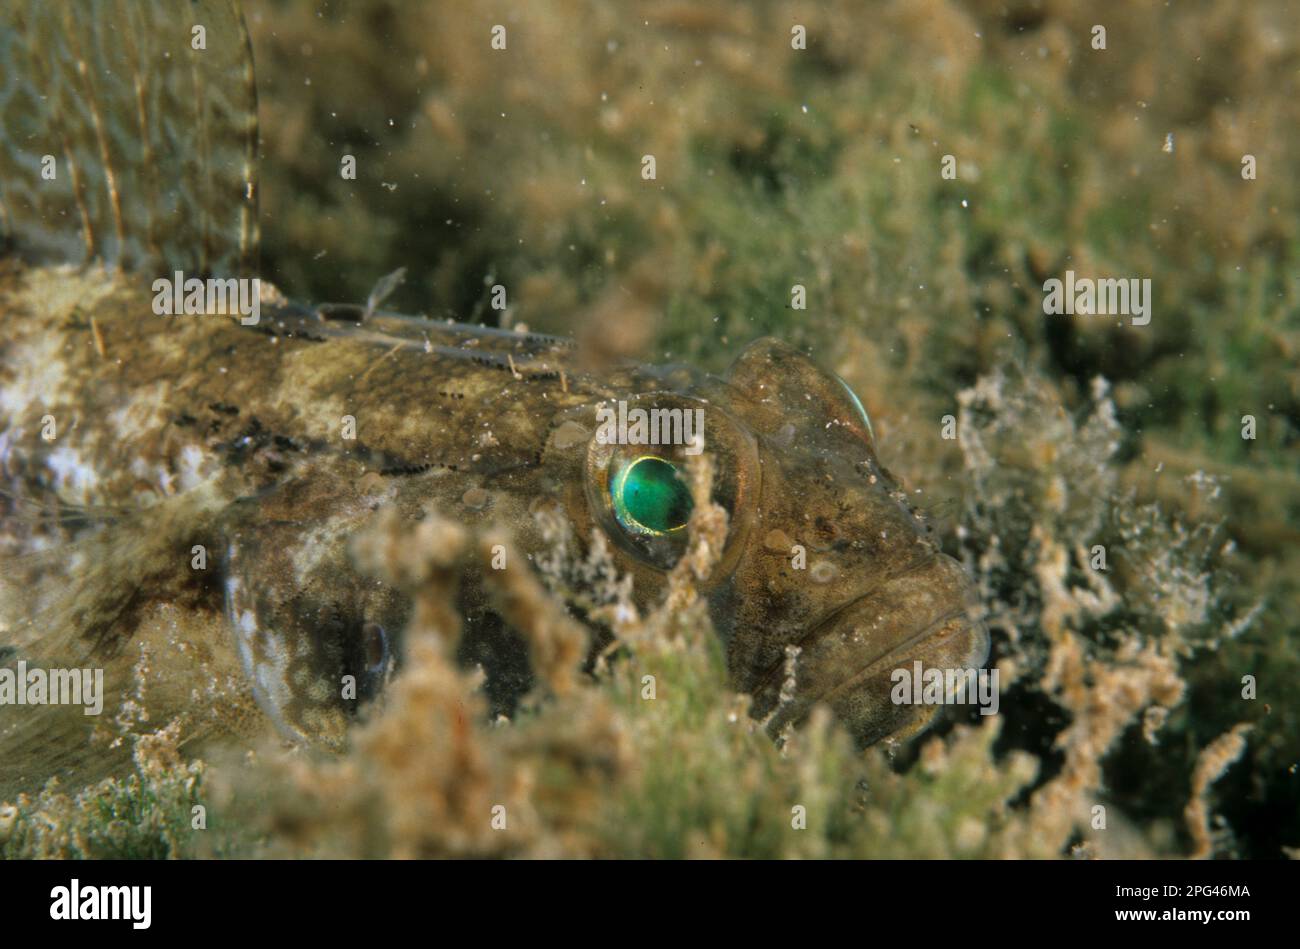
(852, 662)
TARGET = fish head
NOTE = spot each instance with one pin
(828, 581)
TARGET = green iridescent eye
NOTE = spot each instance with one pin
(649, 498)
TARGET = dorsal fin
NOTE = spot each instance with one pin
(124, 143)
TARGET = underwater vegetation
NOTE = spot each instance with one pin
(594, 767)
(1032, 440)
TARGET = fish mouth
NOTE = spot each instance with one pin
(928, 614)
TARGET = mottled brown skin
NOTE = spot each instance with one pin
(172, 434)
(196, 430)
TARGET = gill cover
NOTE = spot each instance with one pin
(318, 640)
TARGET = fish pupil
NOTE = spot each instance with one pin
(649, 498)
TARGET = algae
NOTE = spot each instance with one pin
(1124, 684)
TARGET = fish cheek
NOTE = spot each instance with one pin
(767, 596)
(838, 570)
(317, 641)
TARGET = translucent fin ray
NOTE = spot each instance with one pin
(122, 142)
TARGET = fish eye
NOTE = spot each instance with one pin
(649, 497)
(637, 493)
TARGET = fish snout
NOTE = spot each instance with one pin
(888, 660)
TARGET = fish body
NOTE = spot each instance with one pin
(195, 463)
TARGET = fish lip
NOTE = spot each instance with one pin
(828, 619)
(971, 624)
(966, 617)
(971, 606)
(920, 645)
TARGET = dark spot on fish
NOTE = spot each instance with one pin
(405, 469)
(250, 439)
(825, 528)
(104, 621)
(224, 408)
